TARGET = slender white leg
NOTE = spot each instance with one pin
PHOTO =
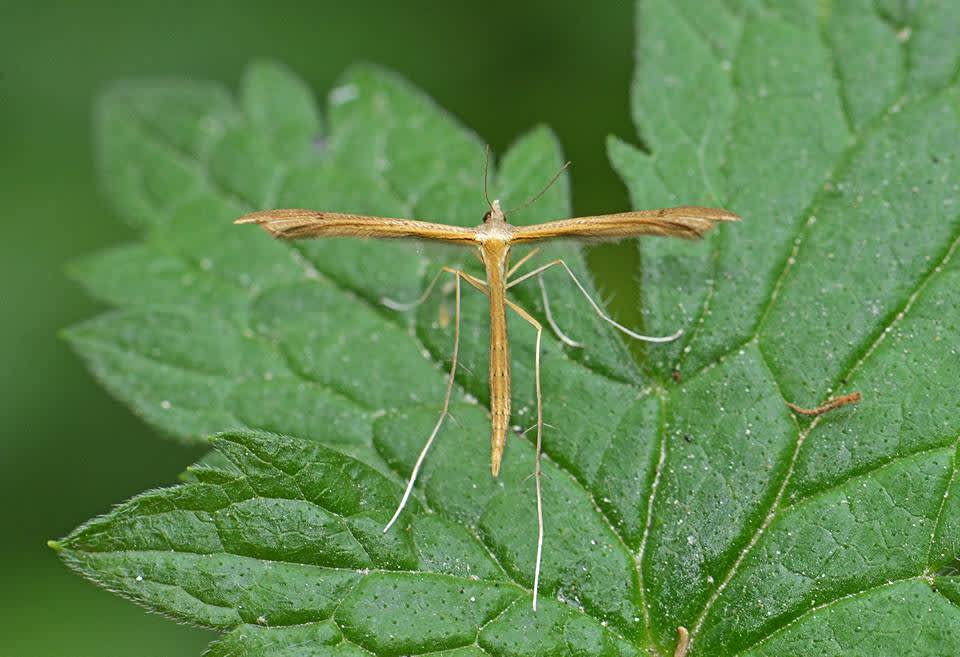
(599, 311)
(536, 477)
(443, 413)
(399, 305)
(537, 463)
(564, 338)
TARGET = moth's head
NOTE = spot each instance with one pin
(495, 214)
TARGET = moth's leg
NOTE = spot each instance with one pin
(446, 400)
(596, 307)
(474, 281)
(536, 471)
(564, 338)
(410, 305)
(521, 261)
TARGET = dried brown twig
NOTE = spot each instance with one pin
(828, 405)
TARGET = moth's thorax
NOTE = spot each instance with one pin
(495, 227)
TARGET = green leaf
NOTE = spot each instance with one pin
(701, 503)
(282, 543)
(218, 327)
(833, 129)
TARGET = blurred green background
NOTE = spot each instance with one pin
(68, 451)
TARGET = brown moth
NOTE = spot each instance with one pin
(493, 239)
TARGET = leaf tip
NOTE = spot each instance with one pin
(68, 334)
(265, 65)
(223, 439)
(56, 546)
(613, 141)
(544, 132)
(75, 270)
(364, 68)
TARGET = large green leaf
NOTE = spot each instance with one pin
(701, 503)
(833, 128)
(218, 327)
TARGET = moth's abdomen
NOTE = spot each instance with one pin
(495, 260)
(499, 387)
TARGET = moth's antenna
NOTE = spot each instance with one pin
(542, 191)
(486, 167)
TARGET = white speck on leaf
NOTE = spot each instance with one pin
(344, 94)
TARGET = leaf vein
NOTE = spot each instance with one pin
(774, 510)
(648, 523)
(813, 610)
(943, 504)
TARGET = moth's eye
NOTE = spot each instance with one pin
(486, 217)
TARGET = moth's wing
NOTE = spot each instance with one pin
(688, 222)
(291, 224)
